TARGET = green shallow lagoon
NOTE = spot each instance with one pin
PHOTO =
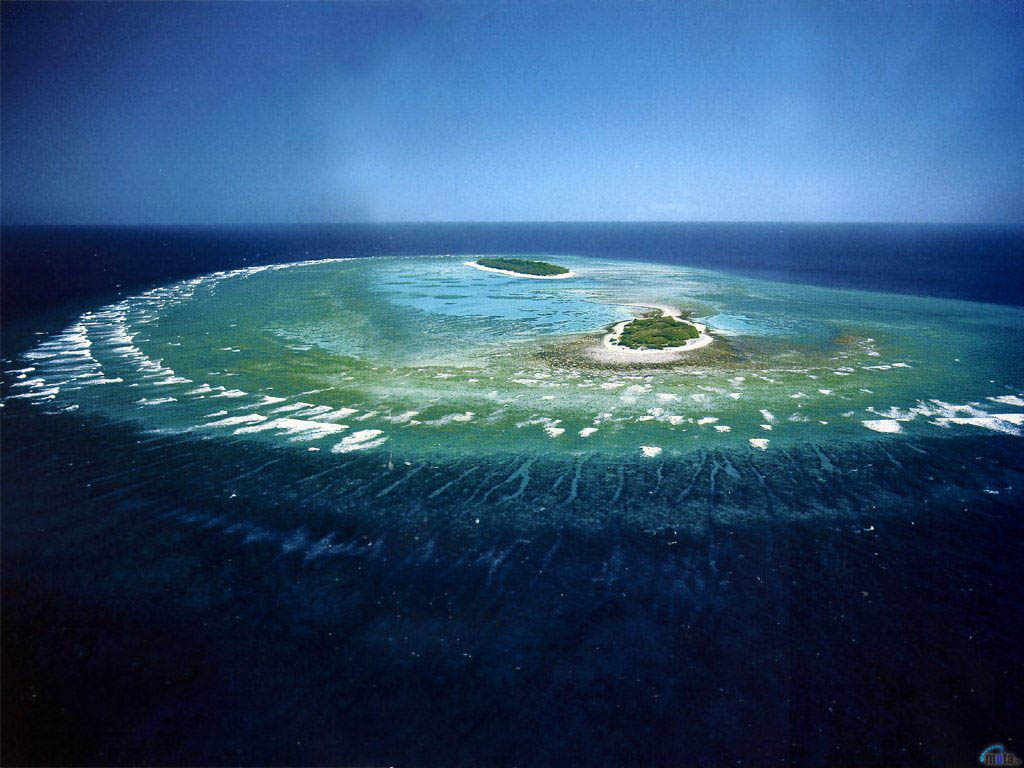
(426, 355)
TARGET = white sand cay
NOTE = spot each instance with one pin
(481, 267)
(610, 351)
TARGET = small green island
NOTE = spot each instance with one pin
(523, 266)
(657, 333)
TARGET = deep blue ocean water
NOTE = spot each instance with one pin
(179, 601)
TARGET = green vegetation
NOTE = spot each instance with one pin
(657, 333)
(523, 266)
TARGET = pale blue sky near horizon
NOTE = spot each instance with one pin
(179, 112)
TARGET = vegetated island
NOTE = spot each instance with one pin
(521, 268)
(657, 333)
(661, 339)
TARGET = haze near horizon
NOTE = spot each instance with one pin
(207, 113)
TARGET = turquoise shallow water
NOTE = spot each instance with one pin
(429, 355)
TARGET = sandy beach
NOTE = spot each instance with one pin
(481, 267)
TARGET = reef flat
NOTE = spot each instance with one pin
(421, 355)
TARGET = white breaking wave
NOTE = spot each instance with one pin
(359, 441)
(883, 425)
(300, 429)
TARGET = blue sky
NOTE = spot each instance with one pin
(271, 112)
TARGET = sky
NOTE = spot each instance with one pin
(191, 112)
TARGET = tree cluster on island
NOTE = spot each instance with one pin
(523, 266)
(657, 333)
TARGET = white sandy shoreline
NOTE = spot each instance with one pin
(509, 272)
(610, 351)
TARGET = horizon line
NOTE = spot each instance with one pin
(451, 222)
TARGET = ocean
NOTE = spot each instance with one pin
(325, 495)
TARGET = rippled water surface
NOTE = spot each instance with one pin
(390, 510)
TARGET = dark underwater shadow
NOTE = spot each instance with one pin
(180, 601)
